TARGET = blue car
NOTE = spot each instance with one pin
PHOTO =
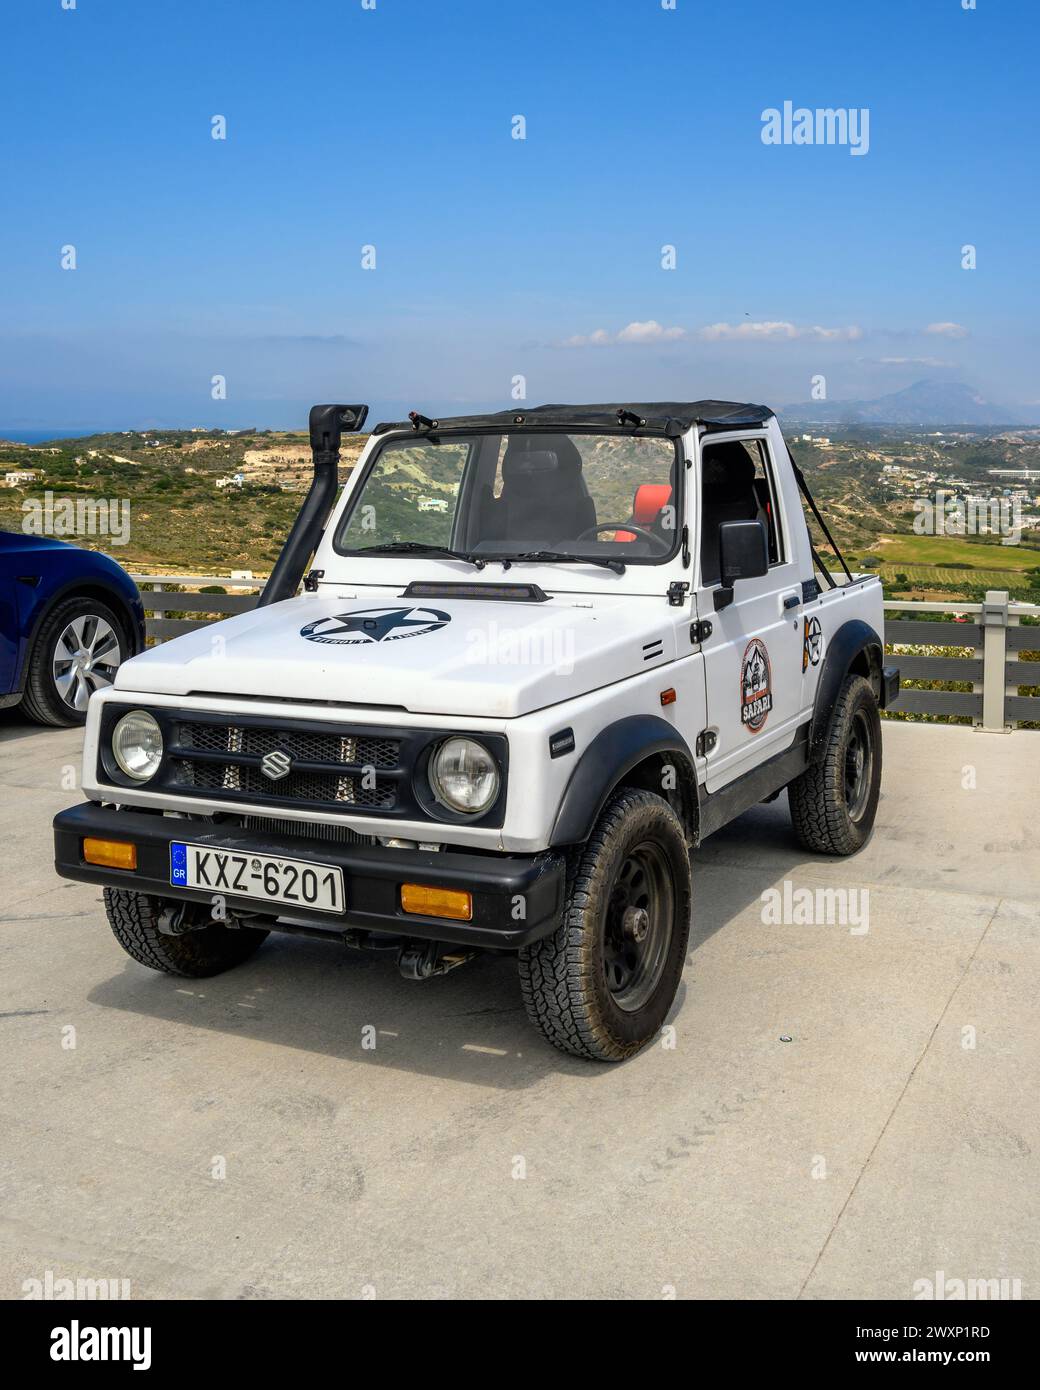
(68, 617)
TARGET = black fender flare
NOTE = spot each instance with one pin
(614, 751)
(848, 642)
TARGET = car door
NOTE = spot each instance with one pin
(753, 654)
(9, 622)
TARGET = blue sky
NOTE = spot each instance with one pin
(496, 257)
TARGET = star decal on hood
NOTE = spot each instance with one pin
(366, 625)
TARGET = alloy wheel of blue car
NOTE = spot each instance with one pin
(85, 659)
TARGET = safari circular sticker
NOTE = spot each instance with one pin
(756, 686)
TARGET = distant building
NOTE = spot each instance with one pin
(232, 480)
(432, 504)
(18, 477)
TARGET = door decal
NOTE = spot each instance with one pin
(756, 686)
(812, 642)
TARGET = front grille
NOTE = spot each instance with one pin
(297, 786)
(333, 768)
(363, 749)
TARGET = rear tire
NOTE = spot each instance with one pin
(210, 950)
(601, 986)
(834, 802)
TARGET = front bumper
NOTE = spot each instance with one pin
(516, 898)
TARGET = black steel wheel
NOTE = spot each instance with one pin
(638, 926)
(834, 801)
(859, 753)
(602, 984)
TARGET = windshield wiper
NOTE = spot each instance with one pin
(556, 557)
(420, 548)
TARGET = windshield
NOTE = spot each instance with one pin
(603, 497)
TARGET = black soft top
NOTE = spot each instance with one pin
(671, 417)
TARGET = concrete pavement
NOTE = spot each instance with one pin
(233, 1138)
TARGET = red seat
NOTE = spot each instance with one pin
(648, 503)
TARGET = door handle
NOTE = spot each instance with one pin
(792, 601)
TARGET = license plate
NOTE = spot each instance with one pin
(293, 882)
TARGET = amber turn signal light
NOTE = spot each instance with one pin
(668, 696)
(424, 901)
(110, 854)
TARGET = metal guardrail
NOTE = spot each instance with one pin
(991, 638)
(158, 601)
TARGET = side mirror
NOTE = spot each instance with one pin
(743, 554)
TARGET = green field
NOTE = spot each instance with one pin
(906, 551)
(927, 575)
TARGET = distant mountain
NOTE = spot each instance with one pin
(936, 403)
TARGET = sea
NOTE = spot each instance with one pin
(18, 436)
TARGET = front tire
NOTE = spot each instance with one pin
(209, 950)
(77, 650)
(601, 986)
(834, 802)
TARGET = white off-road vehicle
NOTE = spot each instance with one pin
(537, 657)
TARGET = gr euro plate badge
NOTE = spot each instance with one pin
(287, 882)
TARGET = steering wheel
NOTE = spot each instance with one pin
(626, 526)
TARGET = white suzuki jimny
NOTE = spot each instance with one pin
(537, 657)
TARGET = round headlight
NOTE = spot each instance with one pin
(137, 745)
(464, 775)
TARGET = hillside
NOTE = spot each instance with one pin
(180, 518)
(939, 404)
(865, 478)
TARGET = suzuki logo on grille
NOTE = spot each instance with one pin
(276, 764)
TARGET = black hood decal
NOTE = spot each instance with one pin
(364, 626)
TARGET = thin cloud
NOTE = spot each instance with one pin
(909, 362)
(649, 332)
(307, 340)
(851, 334)
(947, 330)
(777, 330)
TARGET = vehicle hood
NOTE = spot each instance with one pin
(18, 541)
(439, 657)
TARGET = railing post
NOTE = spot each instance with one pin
(977, 687)
(994, 659)
(1012, 689)
(158, 589)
